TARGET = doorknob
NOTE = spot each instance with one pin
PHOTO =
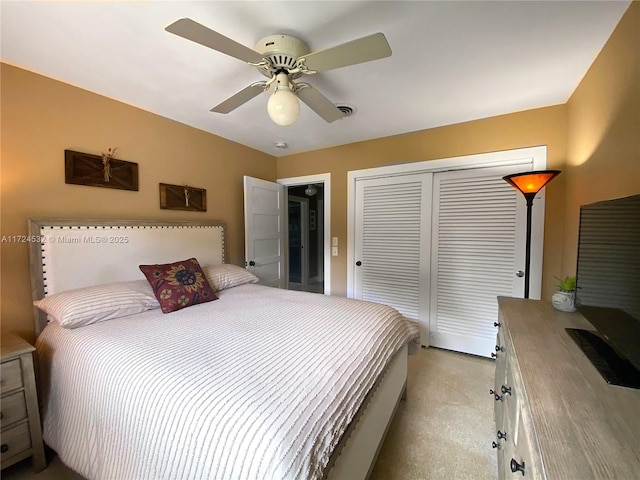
(520, 273)
(252, 263)
(358, 263)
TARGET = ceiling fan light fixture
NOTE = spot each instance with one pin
(283, 106)
(282, 59)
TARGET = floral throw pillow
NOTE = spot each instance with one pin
(178, 285)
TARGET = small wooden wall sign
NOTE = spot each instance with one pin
(183, 197)
(86, 169)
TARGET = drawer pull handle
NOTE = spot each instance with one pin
(506, 390)
(495, 395)
(496, 324)
(502, 436)
(499, 349)
(494, 355)
(4, 448)
(517, 467)
(495, 445)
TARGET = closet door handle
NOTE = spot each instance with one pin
(358, 263)
(520, 273)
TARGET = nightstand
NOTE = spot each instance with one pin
(21, 430)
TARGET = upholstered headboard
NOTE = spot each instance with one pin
(70, 253)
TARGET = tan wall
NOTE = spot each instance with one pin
(42, 117)
(603, 146)
(545, 126)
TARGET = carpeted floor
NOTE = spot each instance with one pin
(445, 427)
(442, 431)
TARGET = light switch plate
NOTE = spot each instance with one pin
(334, 241)
(334, 251)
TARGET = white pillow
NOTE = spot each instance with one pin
(84, 306)
(226, 275)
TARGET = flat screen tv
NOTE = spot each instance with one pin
(608, 288)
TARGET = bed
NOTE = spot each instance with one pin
(258, 383)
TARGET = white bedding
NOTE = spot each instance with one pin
(259, 384)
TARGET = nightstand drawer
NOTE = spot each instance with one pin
(11, 375)
(14, 408)
(21, 433)
(15, 440)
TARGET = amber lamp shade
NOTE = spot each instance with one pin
(530, 183)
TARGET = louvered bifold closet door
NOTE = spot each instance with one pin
(478, 228)
(392, 244)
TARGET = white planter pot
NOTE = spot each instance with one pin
(563, 301)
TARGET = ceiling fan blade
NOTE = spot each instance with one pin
(187, 28)
(318, 103)
(365, 49)
(240, 98)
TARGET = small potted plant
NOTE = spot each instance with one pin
(564, 298)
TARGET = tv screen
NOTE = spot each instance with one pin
(608, 270)
(608, 273)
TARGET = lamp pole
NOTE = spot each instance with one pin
(527, 249)
(529, 184)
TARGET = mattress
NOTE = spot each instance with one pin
(259, 384)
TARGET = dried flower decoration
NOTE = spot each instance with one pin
(187, 194)
(106, 162)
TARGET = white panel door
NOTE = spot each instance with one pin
(264, 230)
(478, 240)
(392, 244)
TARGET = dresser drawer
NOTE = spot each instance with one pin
(14, 408)
(15, 440)
(11, 375)
(525, 457)
(512, 392)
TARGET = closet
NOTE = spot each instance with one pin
(442, 241)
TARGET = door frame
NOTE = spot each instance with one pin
(325, 179)
(531, 158)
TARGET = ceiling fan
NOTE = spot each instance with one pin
(283, 59)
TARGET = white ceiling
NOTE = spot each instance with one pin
(452, 61)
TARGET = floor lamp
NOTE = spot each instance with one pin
(530, 183)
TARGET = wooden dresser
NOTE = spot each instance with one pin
(21, 431)
(556, 417)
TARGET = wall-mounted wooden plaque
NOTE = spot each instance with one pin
(86, 169)
(183, 197)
